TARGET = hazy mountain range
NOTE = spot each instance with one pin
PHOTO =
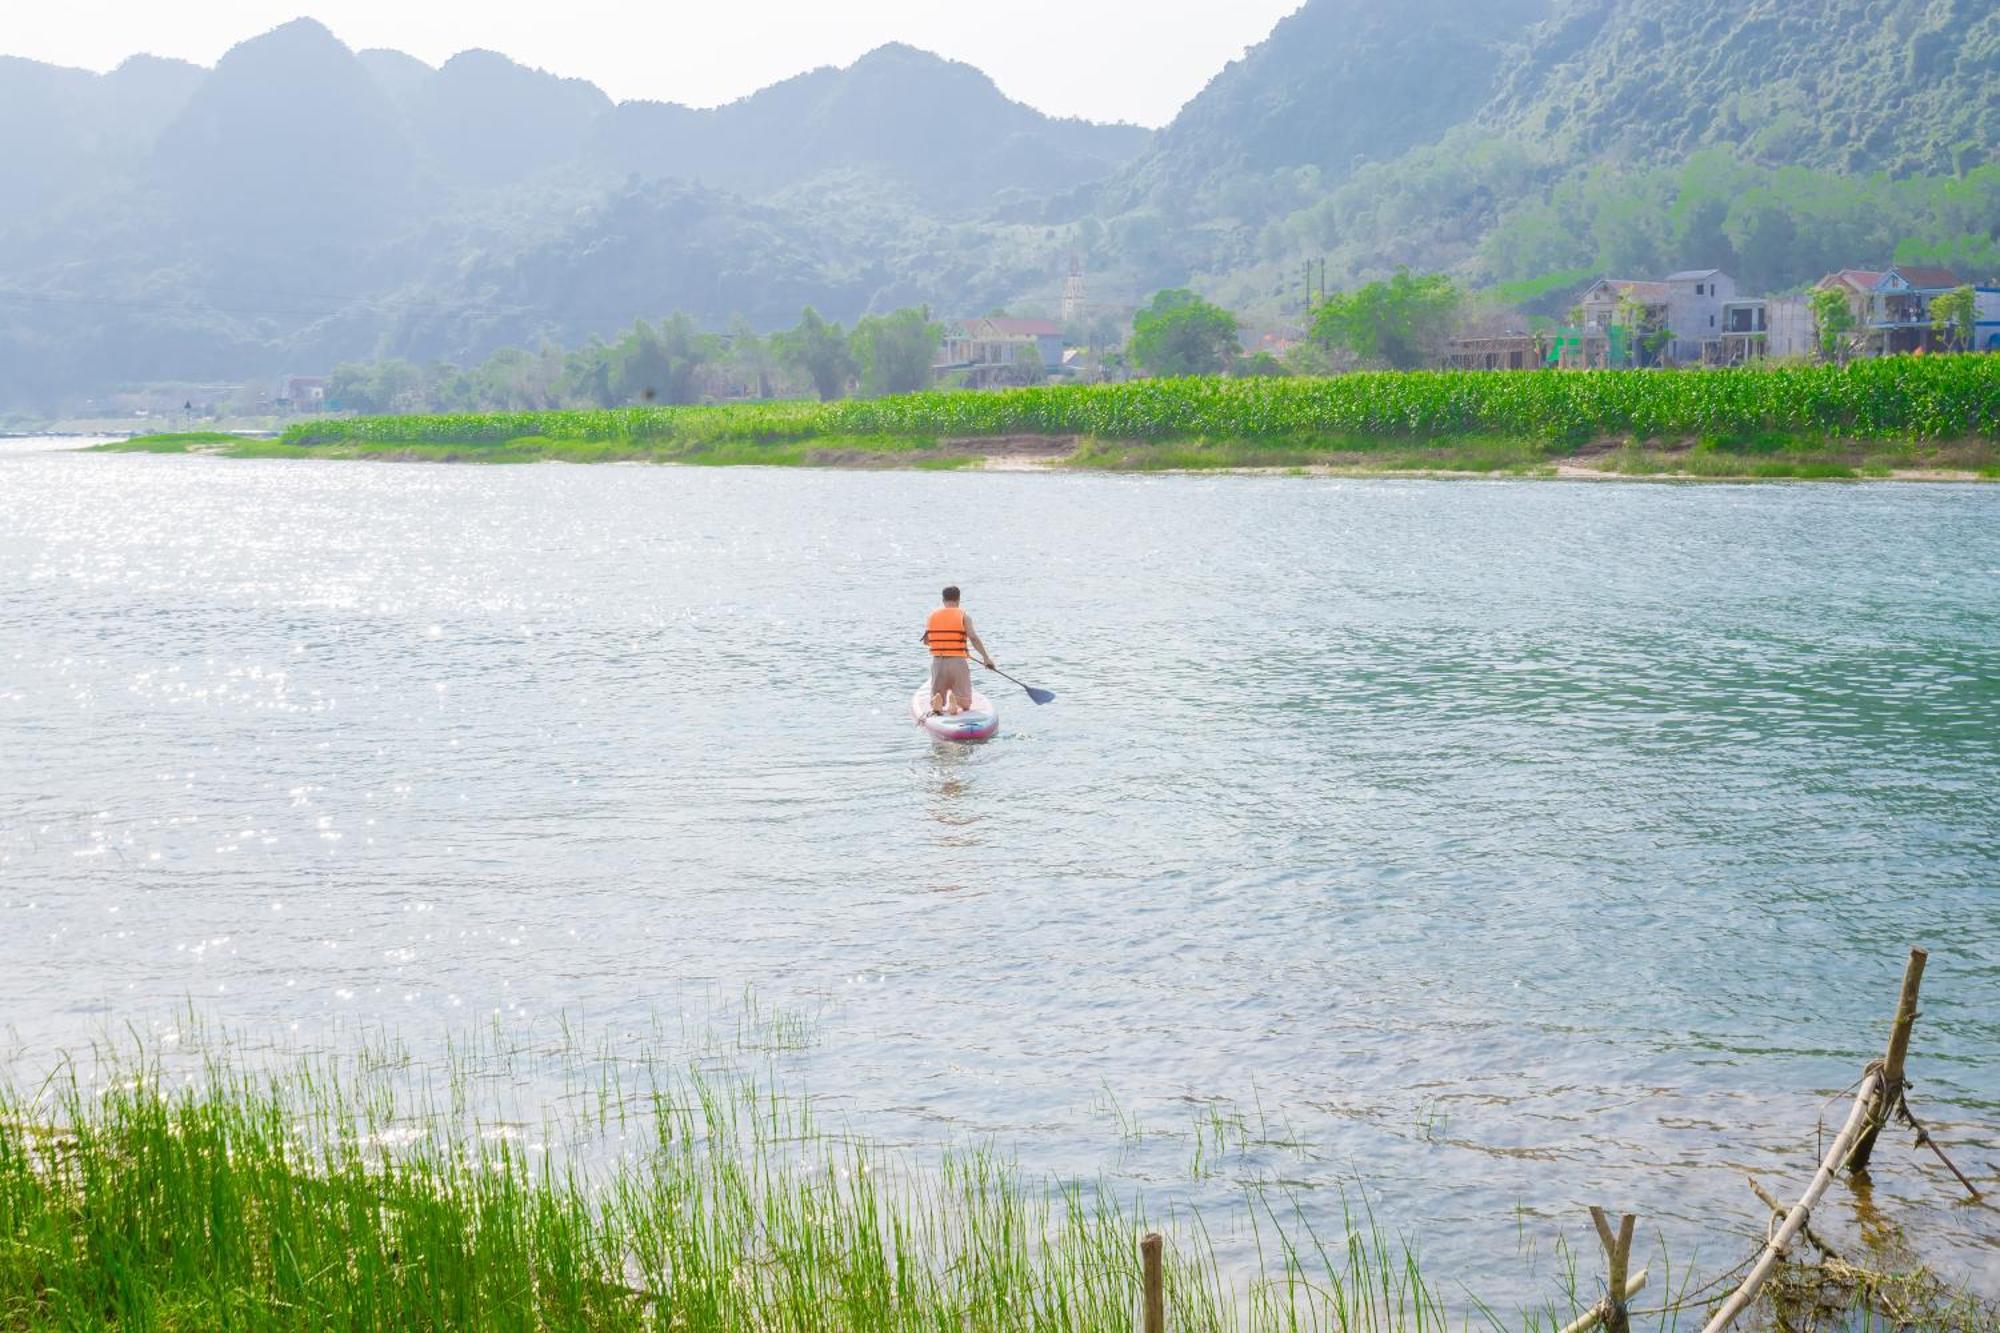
(302, 203)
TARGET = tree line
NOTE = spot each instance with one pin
(1402, 322)
(671, 361)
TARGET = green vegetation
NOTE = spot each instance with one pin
(175, 442)
(671, 362)
(190, 1186)
(1769, 227)
(1400, 323)
(1833, 320)
(1954, 316)
(1937, 398)
(1178, 333)
(821, 352)
(357, 1194)
(896, 352)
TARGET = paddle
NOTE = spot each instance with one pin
(1040, 696)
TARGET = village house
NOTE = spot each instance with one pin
(1695, 301)
(1756, 327)
(1858, 286)
(1899, 315)
(1616, 317)
(1697, 318)
(997, 349)
(301, 393)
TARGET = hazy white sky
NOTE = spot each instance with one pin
(1135, 60)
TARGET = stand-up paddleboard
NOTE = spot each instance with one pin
(977, 723)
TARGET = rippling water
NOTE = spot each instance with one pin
(1521, 845)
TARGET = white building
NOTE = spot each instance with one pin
(1695, 299)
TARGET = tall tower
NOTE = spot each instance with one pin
(1073, 304)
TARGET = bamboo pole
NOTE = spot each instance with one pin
(1883, 1105)
(1778, 1211)
(1589, 1319)
(1795, 1221)
(1156, 1296)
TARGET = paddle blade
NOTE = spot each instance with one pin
(1040, 696)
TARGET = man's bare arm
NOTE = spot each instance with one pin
(972, 637)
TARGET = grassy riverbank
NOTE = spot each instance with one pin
(315, 1199)
(1887, 417)
(188, 1190)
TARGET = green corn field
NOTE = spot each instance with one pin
(1898, 398)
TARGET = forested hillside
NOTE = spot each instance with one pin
(302, 204)
(1848, 85)
(1763, 137)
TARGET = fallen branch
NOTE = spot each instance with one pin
(1924, 1140)
(1795, 1221)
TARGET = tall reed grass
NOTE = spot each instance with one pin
(147, 1188)
(345, 1194)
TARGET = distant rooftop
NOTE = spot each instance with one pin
(1637, 288)
(1020, 328)
(1695, 275)
(1923, 277)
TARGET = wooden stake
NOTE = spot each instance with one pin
(1590, 1318)
(1156, 1294)
(1891, 1084)
(1618, 1253)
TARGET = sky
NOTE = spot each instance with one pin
(1133, 60)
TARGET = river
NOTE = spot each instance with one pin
(1521, 845)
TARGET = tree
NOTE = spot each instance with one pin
(1833, 320)
(1178, 333)
(587, 374)
(661, 365)
(896, 351)
(819, 351)
(1400, 323)
(1262, 365)
(1953, 316)
(751, 356)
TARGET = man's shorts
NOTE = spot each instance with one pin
(954, 674)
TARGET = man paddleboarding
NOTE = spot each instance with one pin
(947, 633)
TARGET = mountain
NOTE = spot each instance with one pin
(403, 77)
(302, 204)
(937, 131)
(1337, 83)
(485, 120)
(1852, 85)
(1519, 138)
(289, 133)
(68, 133)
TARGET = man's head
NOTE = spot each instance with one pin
(951, 595)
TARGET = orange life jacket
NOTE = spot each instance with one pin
(945, 632)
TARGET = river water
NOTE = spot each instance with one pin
(1520, 845)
